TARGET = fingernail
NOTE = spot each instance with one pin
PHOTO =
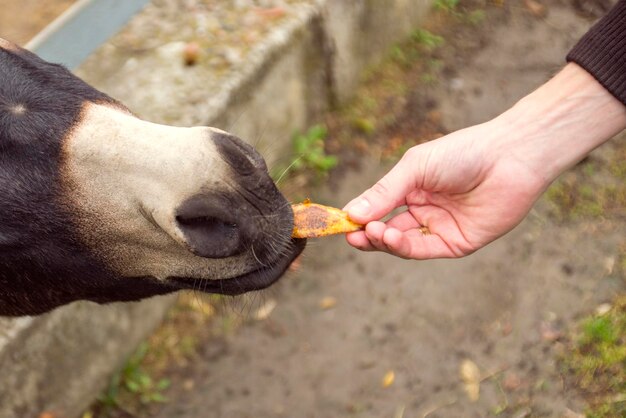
(361, 208)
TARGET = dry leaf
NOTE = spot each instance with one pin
(603, 309)
(470, 375)
(272, 13)
(609, 265)
(473, 391)
(571, 414)
(189, 384)
(469, 371)
(264, 311)
(535, 8)
(434, 116)
(511, 381)
(313, 220)
(328, 302)
(361, 146)
(191, 53)
(549, 332)
(388, 379)
(507, 328)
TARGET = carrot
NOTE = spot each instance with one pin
(312, 220)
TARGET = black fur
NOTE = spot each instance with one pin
(42, 264)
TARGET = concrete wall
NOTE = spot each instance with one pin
(60, 361)
(311, 61)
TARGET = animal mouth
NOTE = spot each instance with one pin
(250, 281)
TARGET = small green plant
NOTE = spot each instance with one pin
(463, 14)
(309, 149)
(446, 5)
(397, 54)
(427, 39)
(132, 385)
(404, 55)
(430, 74)
(591, 190)
(364, 125)
(475, 17)
(428, 78)
(618, 166)
(622, 261)
(598, 330)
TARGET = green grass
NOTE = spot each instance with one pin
(418, 46)
(310, 156)
(132, 387)
(475, 17)
(364, 125)
(138, 387)
(427, 39)
(309, 149)
(597, 361)
(622, 263)
(618, 168)
(592, 190)
(460, 11)
(596, 357)
(446, 5)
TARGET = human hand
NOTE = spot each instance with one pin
(474, 185)
(460, 187)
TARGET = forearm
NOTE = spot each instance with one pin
(558, 124)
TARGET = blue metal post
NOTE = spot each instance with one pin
(82, 28)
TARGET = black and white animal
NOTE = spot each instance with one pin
(97, 204)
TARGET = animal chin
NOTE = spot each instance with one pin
(247, 282)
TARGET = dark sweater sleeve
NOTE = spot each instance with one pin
(602, 51)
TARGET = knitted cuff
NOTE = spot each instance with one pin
(602, 51)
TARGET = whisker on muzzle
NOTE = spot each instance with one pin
(286, 170)
(255, 256)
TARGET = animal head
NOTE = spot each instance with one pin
(99, 205)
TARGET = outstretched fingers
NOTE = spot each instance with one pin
(404, 235)
(362, 240)
(412, 243)
(371, 239)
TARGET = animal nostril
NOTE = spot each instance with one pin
(238, 154)
(208, 225)
(210, 236)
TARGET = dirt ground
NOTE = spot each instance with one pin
(347, 318)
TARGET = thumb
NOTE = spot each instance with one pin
(384, 196)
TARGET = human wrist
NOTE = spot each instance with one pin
(555, 126)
